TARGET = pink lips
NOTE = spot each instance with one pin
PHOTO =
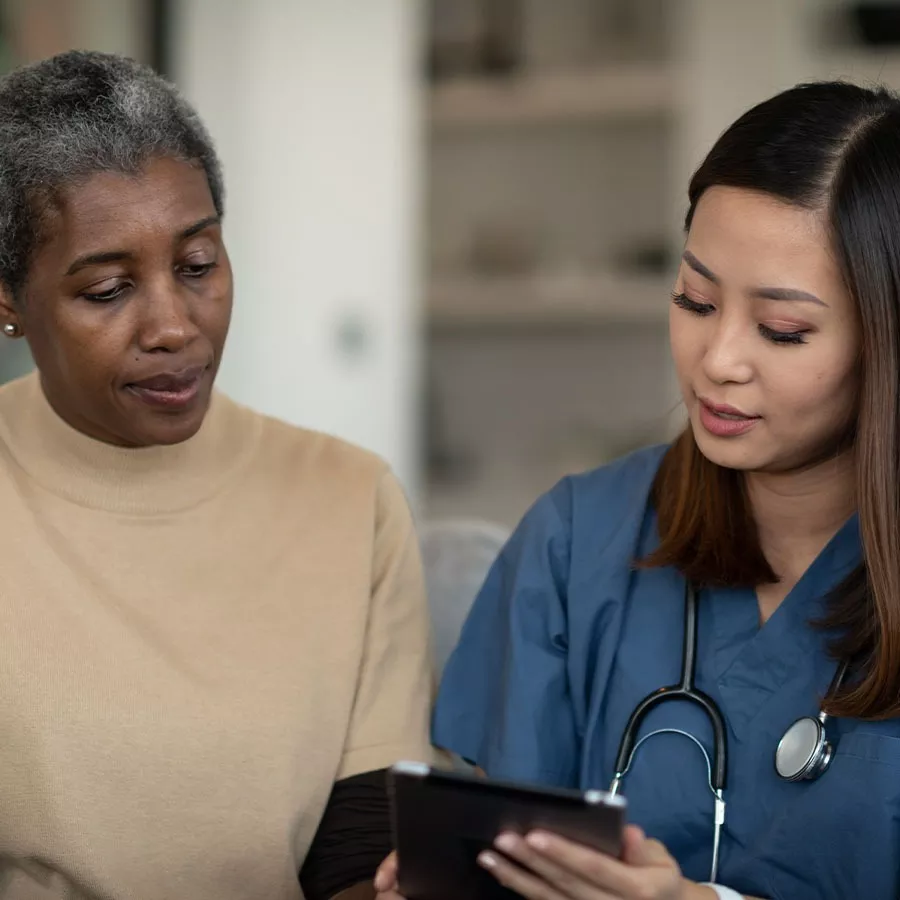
(172, 390)
(721, 420)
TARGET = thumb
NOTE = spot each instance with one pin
(639, 850)
(635, 847)
(386, 876)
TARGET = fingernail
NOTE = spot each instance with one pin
(487, 860)
(506, 842)
(379, 881)
(538, 841)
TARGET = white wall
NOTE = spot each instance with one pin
(314, 105)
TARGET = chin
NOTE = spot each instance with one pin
(174, 434)
(742, 453)
(166, 429)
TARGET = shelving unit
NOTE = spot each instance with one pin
(546, 184)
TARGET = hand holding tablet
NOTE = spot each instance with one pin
(443, 821)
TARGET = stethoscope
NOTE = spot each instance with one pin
(803, 753)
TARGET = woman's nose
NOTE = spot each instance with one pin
(167, 319)
(727, 358)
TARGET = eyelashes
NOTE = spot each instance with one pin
(698, 309)
(782, 337)
(682, 301)
(190, 270)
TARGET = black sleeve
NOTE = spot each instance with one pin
(353, 837)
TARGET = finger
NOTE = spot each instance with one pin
(633, 845)
(567, 882)
(598, 870)
(642, 851)
(524, 883)
(386, 876)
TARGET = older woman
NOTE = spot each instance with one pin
(213, 635)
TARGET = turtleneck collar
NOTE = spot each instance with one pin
(147, 480)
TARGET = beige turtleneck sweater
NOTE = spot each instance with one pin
(196, 641)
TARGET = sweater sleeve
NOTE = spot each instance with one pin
(391, 710)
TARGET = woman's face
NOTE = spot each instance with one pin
(764, 334)
(127, 304)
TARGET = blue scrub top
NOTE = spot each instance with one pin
(566, 637)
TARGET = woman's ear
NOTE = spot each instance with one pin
(10, 320)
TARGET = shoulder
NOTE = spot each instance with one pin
(310, 475)
(612, 492)
(298, 455)
(596, 511)
(619, 487)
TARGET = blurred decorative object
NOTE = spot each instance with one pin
(510, 248)
(161, 15)
(501, 51)
(631, 29)
(353, 336)
(445, 464)
(878, 23)
(474, 36)
(457, 555)
(455, 41)
(650, 256)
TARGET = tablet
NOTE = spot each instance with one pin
(443, 820)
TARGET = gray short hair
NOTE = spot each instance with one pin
(72, 116)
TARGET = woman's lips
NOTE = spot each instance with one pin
(721, 420)
(171, 390)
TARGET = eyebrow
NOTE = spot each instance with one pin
(108, 256)
(763, 293)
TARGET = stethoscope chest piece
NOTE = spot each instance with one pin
(804, 753)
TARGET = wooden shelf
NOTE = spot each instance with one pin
(548, 301)
(613, 92)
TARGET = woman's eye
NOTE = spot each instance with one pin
(105, 296)
(197, 270)
(782, 337)
(698, 309)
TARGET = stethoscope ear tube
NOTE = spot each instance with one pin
(685, 690)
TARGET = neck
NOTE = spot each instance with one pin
(797, 513)
(157, 480)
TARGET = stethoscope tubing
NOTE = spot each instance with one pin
(684, 690)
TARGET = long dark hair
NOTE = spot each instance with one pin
(833, 147)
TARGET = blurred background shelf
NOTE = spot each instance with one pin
(590, 300)
(620, 91)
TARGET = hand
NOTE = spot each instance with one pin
(386, 880)
(553, 868)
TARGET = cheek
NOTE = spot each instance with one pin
(685, 341)
(816, 395)
(216, 311)
(79, 350)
